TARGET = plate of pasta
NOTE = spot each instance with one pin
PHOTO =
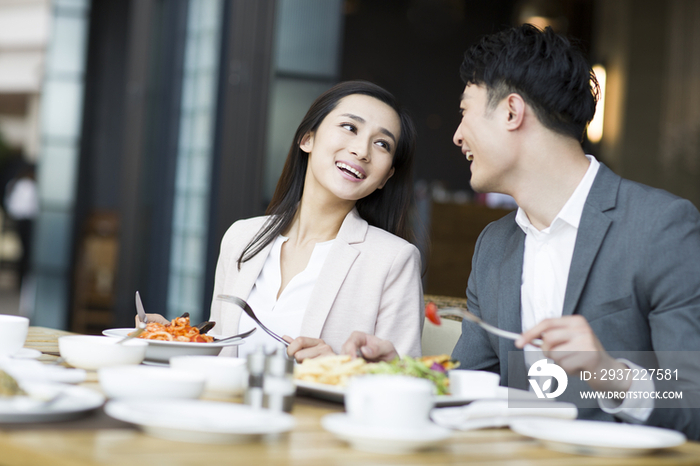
(326, 377)
(176, 339)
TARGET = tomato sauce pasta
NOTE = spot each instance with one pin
(178, 329)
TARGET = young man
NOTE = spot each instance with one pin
(590, 263)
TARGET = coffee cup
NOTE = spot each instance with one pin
(389, 401)
(14, 333)
(473, 384)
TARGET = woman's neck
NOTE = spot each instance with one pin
(316, 221)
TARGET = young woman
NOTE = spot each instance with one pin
(332, 255)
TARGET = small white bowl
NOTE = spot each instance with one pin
(224, 376)
(141, 382)
(93, 351)
(473, 384)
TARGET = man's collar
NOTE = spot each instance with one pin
(573, 208)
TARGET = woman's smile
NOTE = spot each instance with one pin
(350, 171)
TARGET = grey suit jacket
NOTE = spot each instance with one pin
(370, 282)
(635, 276)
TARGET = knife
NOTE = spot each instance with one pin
(140, 310)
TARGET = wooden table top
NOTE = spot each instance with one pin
(308, 444)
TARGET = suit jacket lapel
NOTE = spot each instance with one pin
(338, 263)
(244, 281)
(594, 226)
(509, 295)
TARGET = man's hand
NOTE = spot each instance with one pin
(570, 342)
(371, 347)
(301, 348)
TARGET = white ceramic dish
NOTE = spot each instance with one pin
(26, 353)
(74, 402)
(337, 394)
(162, 351)
(597, 437)
(94, 351)
(139, 382)
(200, 421)
(223, 376)
(384, 440)
(14, 333)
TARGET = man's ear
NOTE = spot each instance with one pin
(307, 142)
(515, 106)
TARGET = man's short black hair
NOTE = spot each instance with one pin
(546, 69)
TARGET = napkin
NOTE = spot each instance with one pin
(29, 370)
(484, 414)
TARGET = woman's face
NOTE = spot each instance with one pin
(351, 152)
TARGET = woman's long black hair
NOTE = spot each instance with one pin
(387, 208)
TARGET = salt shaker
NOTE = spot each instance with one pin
(278, 386)
(256, 371)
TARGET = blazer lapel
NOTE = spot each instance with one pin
(338, 263)
(594, 225)
(245, 279)
(509, 297)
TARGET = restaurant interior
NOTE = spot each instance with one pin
(144, 128)
(152, 126)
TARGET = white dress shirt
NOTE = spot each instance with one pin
(546, 264)
(282, 315)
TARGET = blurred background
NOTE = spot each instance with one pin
(134, 132)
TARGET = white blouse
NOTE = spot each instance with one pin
(282, 315)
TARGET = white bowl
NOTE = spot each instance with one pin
(473, 384)
(14, 333)
(93, 351)
(141, 382)
(224, 376)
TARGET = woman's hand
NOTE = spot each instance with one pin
(370, 347)
(301, 348)
(157, 318)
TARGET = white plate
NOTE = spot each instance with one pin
(200, 421)
(383, 440)
(337, 394)
(598, 437)
(161, 351)
(73, 403)
(26, 353)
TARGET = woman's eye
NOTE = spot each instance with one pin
(384, 145)
(349, 127)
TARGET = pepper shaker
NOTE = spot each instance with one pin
(256, 371)
(278, 386)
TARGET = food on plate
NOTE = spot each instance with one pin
(331, 370)
(9, 386)
(431, 312)
(337, 370)
(178, 329)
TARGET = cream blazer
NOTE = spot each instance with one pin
(369, 282)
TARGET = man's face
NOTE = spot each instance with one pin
(481, 136)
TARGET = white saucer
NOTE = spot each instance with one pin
(598, 437)
(384, 440)
(200, 421)
(72, 403)
(26, 353)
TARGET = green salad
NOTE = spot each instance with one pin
(429, 367)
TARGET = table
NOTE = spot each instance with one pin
(63, 444)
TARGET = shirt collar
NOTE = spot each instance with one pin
(573, 209)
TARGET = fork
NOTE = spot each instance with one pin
(433, 315)
(243, 305)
